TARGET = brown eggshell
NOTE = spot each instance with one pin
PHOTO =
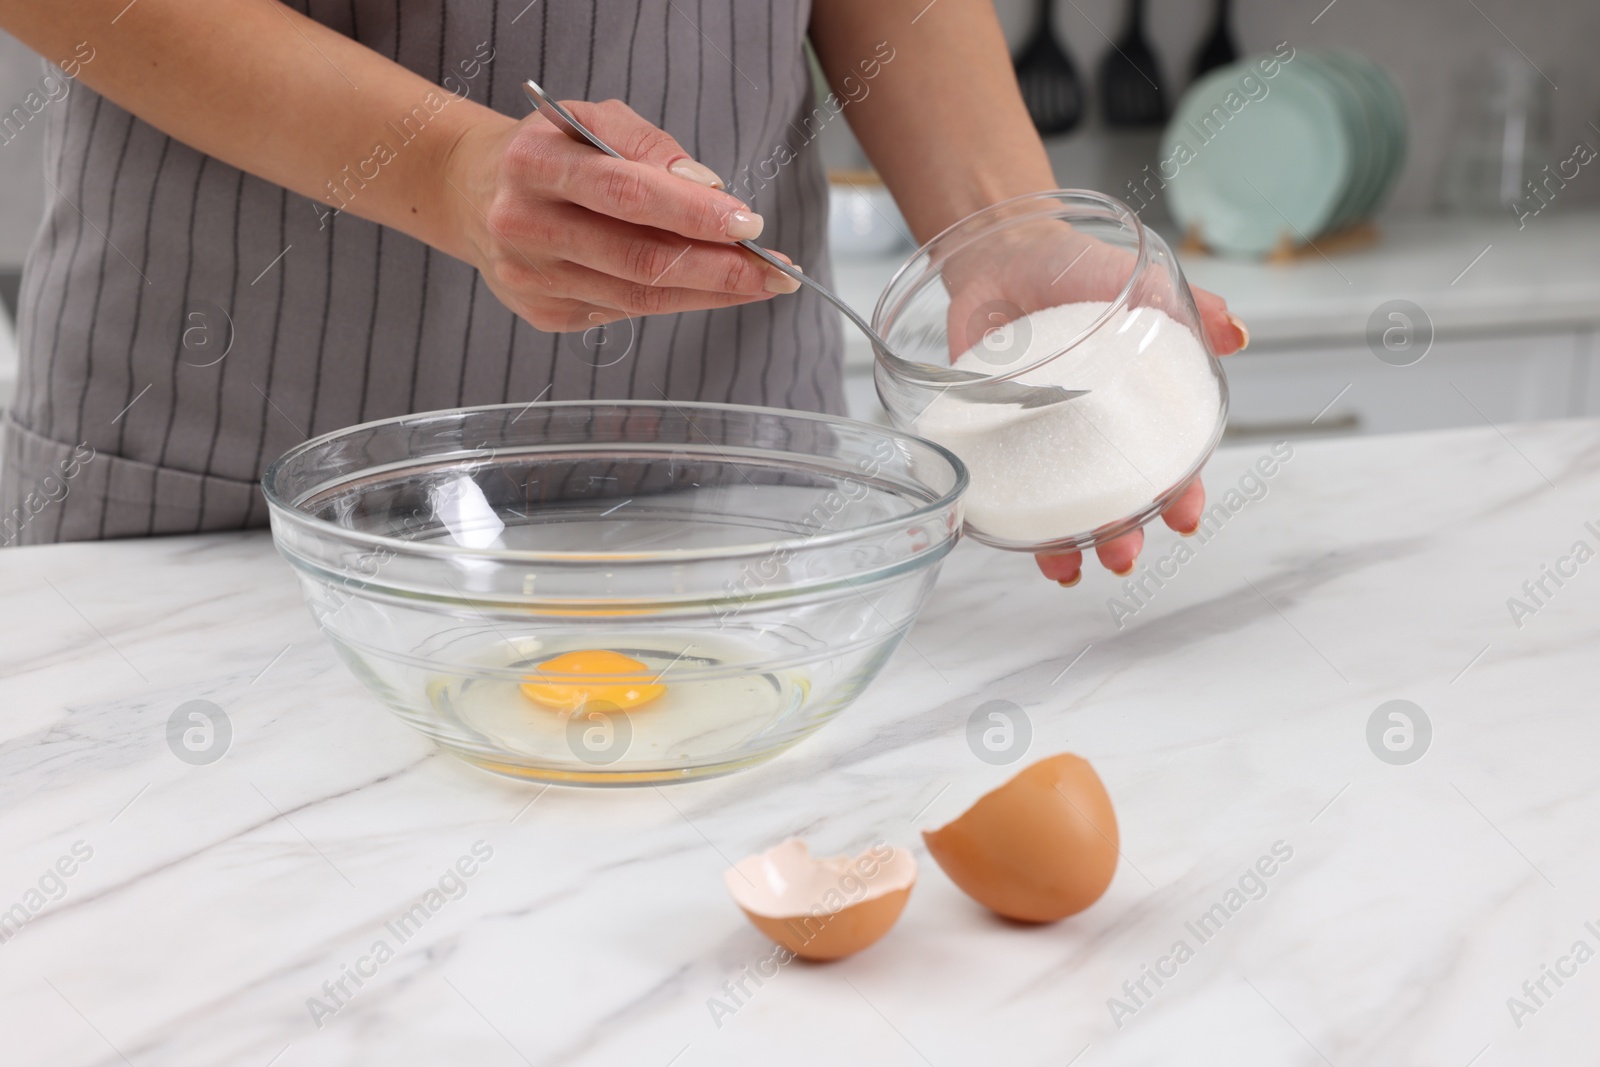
(1039, 848)
(827, 908)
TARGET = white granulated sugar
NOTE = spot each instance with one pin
(1049, 473)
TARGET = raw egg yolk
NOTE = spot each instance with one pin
(573, 679)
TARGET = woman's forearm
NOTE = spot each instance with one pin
(943, 123)
(262, 87)
(565, 236)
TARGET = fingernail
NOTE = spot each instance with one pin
(1068, 583)
(1190, 532)
(1124, 574)
(1244, 334)
(744, 225)
(696, 172)
(779, 282)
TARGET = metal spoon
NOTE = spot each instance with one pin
(982, 389)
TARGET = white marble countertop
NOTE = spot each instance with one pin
(207, 904)
(1472, 275)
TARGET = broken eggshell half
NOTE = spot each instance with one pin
(1039, 848)
(823, 908)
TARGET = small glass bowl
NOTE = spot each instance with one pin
(759, 565)
(970, 288)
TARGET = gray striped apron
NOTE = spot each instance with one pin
(182, 323)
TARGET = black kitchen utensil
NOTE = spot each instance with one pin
(1048, 80)
(1218, 49)
(1130, 80)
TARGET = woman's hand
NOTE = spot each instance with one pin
(565, 235)
(1226, 335)
(569, 237)
(1053, 264)
(907, 123)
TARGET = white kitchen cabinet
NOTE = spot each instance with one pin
(1586, 394)
(1460, 382)
(1330, 391)
(1516, 316)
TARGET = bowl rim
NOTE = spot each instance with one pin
(902, 369)
(279, 507)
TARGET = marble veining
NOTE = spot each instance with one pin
(1228, 716)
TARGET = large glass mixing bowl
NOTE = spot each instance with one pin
(1065, 288)
(614, 593)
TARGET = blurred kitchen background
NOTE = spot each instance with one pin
(1513, 328)
(1498, 317)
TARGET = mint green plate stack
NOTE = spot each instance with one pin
(1269, 152)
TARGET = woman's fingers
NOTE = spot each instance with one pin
(657, 258)
(1063, 567)
(576, 237)
(1183, 514)
(1224, 331)
(1117, 555)
(627, 298)
(625, 130)
(1120, 554)
(645, 193)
